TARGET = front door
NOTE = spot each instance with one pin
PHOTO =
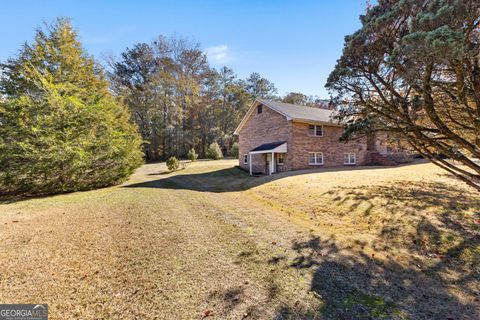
(268, 163)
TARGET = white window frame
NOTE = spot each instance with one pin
(278, 159)
(316, 163)
(315, 126)
(348, 156)
(245, 159)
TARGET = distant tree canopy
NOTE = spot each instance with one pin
(301, 99)
(413, 70)
(178, 101)
(60, 128)
(296, 98)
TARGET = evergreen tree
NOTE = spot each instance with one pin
(413, 70)
(60, 128)
(214, 152)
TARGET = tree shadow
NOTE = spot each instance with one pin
(352, 285)
(228, 299)
(227, 180)
(429, 219)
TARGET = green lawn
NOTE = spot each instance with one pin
(367, 243)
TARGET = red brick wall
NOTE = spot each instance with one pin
(270, 126)
(266, 127)
(333, 150)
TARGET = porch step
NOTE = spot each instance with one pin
(375, 158)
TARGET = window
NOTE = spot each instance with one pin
(281, 158)
(315, 130)
(245, 158)
(259, 109)
(349, 158)
(315, 158)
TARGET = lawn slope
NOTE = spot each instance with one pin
(365, 243)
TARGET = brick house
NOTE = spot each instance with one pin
(275, 137)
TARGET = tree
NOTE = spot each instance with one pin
(60, 128)
(296, 98)
(259, 87)
(192, 155)
(234, 150)
(413, 71)
(173, 164)
(135, 80)
(214, 152)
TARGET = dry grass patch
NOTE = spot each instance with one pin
(370, 243)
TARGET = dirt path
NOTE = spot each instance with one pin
(176, 246)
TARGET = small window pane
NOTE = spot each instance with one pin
(259, 109)
(311, 130)
(319, 130)
(319, 158)
(315, 158)
(349, 158)
(280, 158)
(245, 159)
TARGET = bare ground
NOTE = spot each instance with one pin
(369, 243)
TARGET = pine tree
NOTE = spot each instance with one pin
(60, 128)
(214, 152)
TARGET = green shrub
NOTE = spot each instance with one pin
(192, 155)
(61, 129)
(234, 150)
(173, 164)
(214, 152)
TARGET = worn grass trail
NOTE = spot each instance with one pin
(141, 253)
(170, 246)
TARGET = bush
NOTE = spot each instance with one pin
(234, 150)
(61, 130)
(214, 152)
(192, 155)
(173, 164)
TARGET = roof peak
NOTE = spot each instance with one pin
(294, 112)
(267, 101)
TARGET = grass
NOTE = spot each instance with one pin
(367, 243)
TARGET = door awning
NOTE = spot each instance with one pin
(277, 147)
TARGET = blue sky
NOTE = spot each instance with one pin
(292, 43)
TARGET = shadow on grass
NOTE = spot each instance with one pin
(445, 218)
(353, 285)
(438, 226)
(227, 180)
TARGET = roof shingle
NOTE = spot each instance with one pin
(297, 112)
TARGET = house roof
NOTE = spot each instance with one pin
(298, 112)
(293, 112)
(268, 146)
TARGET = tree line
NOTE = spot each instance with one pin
(180, 102)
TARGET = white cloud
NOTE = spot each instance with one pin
(218, 54)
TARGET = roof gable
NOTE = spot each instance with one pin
(292, 112)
